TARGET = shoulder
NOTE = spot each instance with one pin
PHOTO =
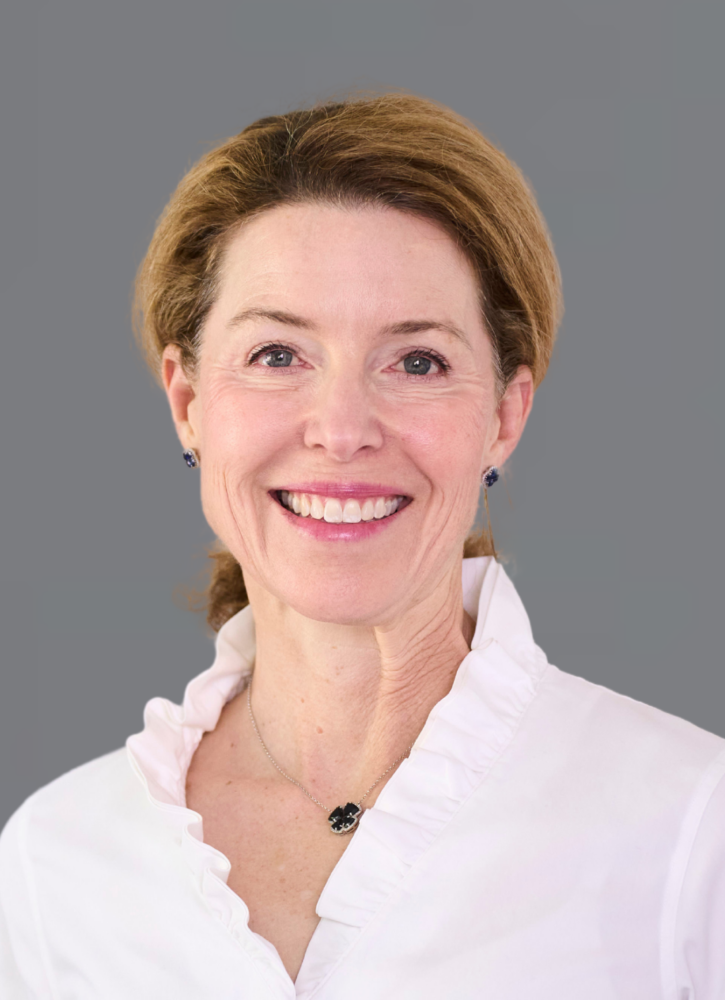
(637, 760)
(48, 847)
(623, 726)
(98, 799)
(95, 781)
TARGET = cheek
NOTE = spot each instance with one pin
(448, 439)
(243, 433)
(241, 429)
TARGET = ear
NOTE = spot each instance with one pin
(513, 412)
(183, 400)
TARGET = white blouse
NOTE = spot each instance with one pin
(546, 839)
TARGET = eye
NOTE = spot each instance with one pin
(424, 363)
(273, 356)
(415, 365)
(277, 359)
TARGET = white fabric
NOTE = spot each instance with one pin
(547, 839)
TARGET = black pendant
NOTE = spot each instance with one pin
(344, 819)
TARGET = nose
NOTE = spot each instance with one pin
(342, 419)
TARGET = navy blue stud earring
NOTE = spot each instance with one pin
(191, 458)
(490, 476)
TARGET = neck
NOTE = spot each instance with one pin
(336, 704)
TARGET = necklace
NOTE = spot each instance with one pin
(342, 819)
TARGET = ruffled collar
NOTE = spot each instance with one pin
(463, 736)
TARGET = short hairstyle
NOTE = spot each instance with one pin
(392, 150)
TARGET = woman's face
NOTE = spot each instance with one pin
(345, 372)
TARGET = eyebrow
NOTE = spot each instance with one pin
(275, 315)
(404, 327)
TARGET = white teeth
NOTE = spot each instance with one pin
(333, 511)
(336, 511)
(351, 512)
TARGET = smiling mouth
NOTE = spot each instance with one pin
(340, 511)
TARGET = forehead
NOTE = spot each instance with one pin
(347, 261)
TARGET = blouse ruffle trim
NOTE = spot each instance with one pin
(463, 736)
(160, 755)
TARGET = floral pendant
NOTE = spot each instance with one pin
(344, 819)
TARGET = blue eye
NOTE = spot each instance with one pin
(277, 359)
(414, 364)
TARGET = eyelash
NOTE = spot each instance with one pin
(267, 349)
(422, 352)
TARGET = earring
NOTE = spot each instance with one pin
(191, 458)
(490, 476)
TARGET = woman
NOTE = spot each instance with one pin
(380, 788)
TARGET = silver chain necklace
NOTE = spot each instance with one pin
(342, 819)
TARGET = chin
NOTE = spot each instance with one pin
(342, 598)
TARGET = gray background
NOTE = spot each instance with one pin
(611, 512)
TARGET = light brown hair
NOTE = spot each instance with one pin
(394, 150)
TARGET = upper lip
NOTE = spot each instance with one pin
(353, 490)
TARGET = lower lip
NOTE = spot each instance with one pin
(343, 532)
